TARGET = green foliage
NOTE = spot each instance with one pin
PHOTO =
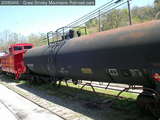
(37, 40)
(115, 19)
(92, 23)
(157, 5)
(119, 17)
(141, 14)
(83, 30)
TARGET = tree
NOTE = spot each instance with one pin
(92, 22)
(35, 39)
(157, 8)
(141, 14)
(7, 38)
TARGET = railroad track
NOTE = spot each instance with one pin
(61, 111)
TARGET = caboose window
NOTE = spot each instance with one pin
(17, 48)
(27, 47)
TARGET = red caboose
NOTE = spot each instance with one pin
(1, 55)
(13, 62)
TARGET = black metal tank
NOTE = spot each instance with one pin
(125, 52)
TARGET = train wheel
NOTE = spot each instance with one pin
(149, 105)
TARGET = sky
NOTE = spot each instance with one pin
(41, 19)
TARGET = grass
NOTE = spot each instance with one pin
(103, 91)
(73, 92)
(124, 108)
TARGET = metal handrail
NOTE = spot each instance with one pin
(106, 8)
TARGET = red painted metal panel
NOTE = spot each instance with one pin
(14, 61)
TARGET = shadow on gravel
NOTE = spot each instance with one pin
(96, 106)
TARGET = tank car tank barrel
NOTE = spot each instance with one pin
(123, 53)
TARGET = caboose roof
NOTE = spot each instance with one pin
(20, 44)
